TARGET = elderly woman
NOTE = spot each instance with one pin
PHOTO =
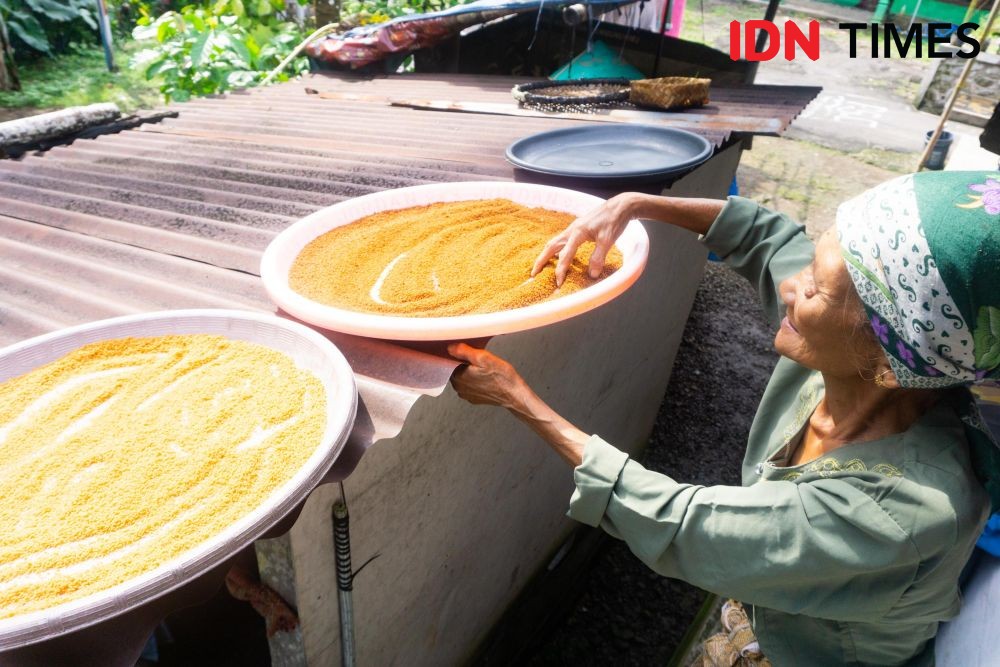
(867, 476)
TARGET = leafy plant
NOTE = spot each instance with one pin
(45, 26)
(215, 46)
(125, 14)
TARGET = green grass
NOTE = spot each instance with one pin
(81, 77)
(901, 163)
(809, 181)
(707, 21)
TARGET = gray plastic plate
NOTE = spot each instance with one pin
(611, 151)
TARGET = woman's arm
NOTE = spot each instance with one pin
(823, 549)
(604, 225)
(489, 380)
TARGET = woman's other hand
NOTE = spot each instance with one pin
(486, 379)
(489, 380)
(602, 225)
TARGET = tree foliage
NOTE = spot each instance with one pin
(212, 47)
(48, 26)
(126, 14)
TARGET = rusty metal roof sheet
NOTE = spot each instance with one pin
(176, 214)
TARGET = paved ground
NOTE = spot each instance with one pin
(866, 103)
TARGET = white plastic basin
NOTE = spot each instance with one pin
(282, 251)
(309, 349)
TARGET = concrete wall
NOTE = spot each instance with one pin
(978, 96)
(465, 505)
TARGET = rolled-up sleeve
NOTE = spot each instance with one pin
(595, 480)
(763, 246)
(820, 548)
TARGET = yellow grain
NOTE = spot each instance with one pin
(125, 454)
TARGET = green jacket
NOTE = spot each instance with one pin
(852, 559)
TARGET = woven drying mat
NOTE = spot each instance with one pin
(591, 95)
(575, 93)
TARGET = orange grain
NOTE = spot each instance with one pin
(453, 258)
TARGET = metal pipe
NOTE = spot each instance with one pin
(574, 15)
(659, 46)
(104, 26)
(345, 578)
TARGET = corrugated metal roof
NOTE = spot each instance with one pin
(176, 214)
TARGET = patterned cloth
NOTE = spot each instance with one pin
(923, 251)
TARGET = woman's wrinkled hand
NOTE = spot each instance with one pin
(486, 379)
(489, 380)
(602, 225)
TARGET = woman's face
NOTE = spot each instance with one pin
(824, 324)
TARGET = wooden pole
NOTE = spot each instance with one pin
(325, 30)
(762, 37)
(946, 112)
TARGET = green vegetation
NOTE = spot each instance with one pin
(45, 26)
(212, 47)
(707, 22)
(894, 161)
(80, 77)
(181, 48)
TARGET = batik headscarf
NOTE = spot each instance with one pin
(923, 252)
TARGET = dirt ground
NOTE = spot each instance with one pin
(808, 181)
(628, 614)
(18, 112)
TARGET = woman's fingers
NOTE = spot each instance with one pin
(476, 357)
(550, 249)
(566, 256)
(465, 384)
(601, 225)
(597, 258)
(486, 380)
(459, 351)
(465, 352)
